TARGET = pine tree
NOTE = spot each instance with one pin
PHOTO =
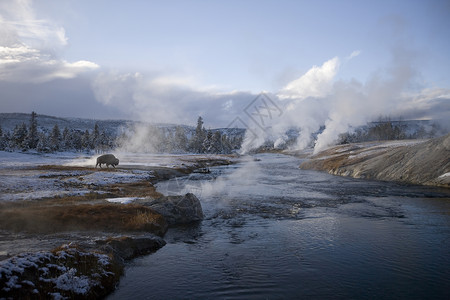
(66, 140)
(95, 140)
(2, 140)
(55, 138)
(199, 137)
(104, 141)
(216, 143)
(206, 145)
(43, 144)
(19, 136)
(76, 140)
(86, 141)
(32, 138)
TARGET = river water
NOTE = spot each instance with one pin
(273, 231)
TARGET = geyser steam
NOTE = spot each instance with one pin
(316, 99)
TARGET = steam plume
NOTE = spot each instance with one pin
(317, 99)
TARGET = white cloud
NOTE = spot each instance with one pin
(24, 64)
(22, 25)
(28, 45)
(314, 83)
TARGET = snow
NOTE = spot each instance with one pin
(19, 263)
(22, 179)
(13, 271)
(57, 296)
(29, 159)
(106, 177)
(445, 175)
(68, 281)
(123, 200)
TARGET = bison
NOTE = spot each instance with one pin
(107, 159)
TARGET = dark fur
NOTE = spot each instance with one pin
(108, 159)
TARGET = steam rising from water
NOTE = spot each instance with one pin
(242, 178)
(316, 99)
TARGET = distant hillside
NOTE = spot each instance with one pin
(419, 161)
(45, 123)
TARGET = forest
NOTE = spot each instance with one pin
(160, 139)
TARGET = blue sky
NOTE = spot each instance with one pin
(252, 45)
(170, 61)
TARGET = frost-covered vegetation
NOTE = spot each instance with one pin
(386, 129)
(20, 134)
(64, 273)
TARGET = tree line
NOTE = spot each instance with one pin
(385, 129)
(26, 137)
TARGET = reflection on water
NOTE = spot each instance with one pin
(275, 231)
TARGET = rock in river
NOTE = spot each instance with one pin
(128, 247)
(178, 209)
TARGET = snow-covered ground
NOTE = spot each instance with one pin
(410, 161)
(55, 272)
(22, 176)
(27, 176)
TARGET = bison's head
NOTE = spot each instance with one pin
(116, 161)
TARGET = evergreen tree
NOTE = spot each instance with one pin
(66, 142)
(9, 143)
(216, 143)
(55, 138)
(33, 138)
(86, 141)
(95, 140)
(199, 137)
(43, 144)
(104, 141)
(19, 136)
(206, 145)
(2, 140)
(77, 140)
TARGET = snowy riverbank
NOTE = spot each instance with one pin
(104, 215)
(425, 162)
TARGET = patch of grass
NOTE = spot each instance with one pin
(134, 189)
(64, 168)
(82, 217)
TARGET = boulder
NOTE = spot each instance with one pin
(178, 209)
(128, 247)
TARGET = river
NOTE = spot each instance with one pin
(273, 231)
